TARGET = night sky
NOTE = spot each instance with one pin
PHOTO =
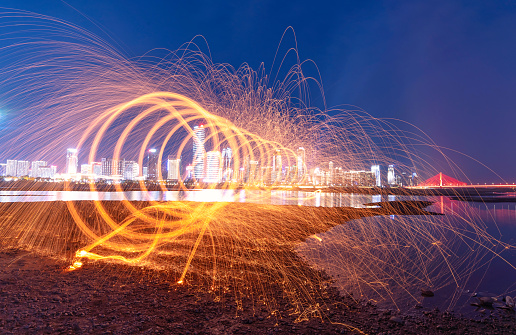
(448, 67)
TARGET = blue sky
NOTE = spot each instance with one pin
(448, 67)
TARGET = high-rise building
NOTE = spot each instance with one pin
(153, 165)
(96, 168)
(391, 175)
(35, 168)
(174, 168)
(227, 164)
(277, 167)
(189, 172)
(301, 163)
(3, 169)
(130, 170)
(10, 169)
(253, 171)
(47, 172)
(375, 169)
(213, 170)
(71, 161)
(331, 174)
(199, 152)
(22, 168)
(107, 167)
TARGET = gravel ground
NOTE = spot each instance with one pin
(38, 297)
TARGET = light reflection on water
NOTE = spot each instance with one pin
(341, 250)
(274, 197)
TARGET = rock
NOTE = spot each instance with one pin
(396, 319)
(427, 293)
(509, 301)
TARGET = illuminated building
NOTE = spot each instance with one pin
(331, 174)
(375, 169)
(107, 167)
(227, 164)
(391, 175)
(3, 168)
(86, 169)
(71, 161)
(130, 170)
(47, 172)
(22, 168)
(189, 172)
(301, 163)
(174, 168)
(153, 165)
(358, 178)
(199, 152)
(96, 168)
(10, 169)
(251, 171)
(35, 166)
(213, 171)
(277, 167)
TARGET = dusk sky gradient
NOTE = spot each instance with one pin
(448, 67)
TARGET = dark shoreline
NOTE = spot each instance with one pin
(37, 296)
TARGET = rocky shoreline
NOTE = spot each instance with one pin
(38, 297)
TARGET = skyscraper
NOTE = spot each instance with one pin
(174, 168)
(301, 162)
(71, 161)
(391, 175)
(153, 165)
(375, 169)
(36, 167)
(227, 164)
(130, 170)
(213, 170)
(10, 168)
(199, 152)
(277, 167)
(22, 169)
(331, 174)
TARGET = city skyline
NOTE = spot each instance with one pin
(445, 67)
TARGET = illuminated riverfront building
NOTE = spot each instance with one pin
(199, 152)
(227, 164)
(35, 168)
(331, 174)
(10, 168)
(358, 178)
(22, 168)
(213, 170)
(277, 168)
(107, 167)
(375, 169)
(173, 168)
(86, 169)
(131, 170)
(189, 172)
(153, 165)
(391, 175)
(301, 161)
(96, 168)
(47, 172)
(71, 161)
(3, 167)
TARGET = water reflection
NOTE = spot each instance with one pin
(274, 197)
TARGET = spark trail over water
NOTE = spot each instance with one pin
(68, 88)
